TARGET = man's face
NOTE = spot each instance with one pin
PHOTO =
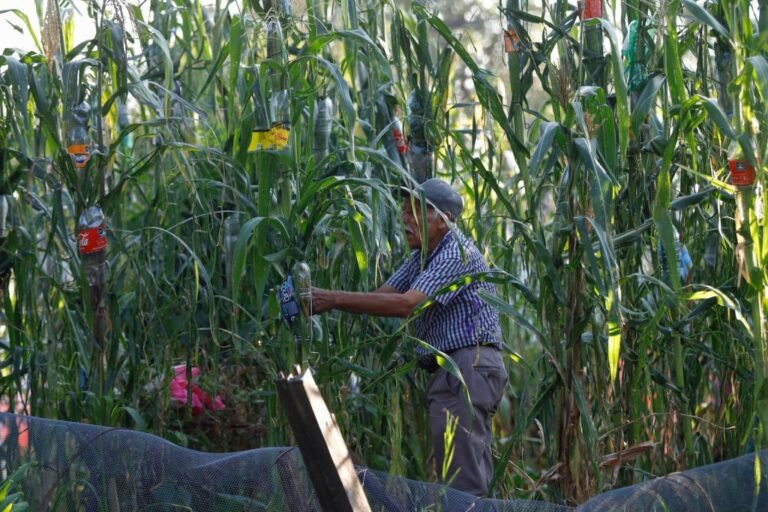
(412, 218)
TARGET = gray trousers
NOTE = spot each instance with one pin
(471, 467)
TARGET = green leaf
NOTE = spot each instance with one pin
(118, 55)
(241, 247)
(588, 424)
(709, 292)
(162, 44)
(589, 253)
(760, 65)
(717, 115)
(602, 189)
(622, 93)
(646, 102)
(138, 420)
(548, 131)
(342, 90)
(357, 239)
(235, 53)
(358, 35)
(673, 67)
(507, 309)
(606, 136)
(664, 228)
(681, 203)
(703, 16)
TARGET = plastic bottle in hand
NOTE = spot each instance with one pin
(303, 283)
(92, 243)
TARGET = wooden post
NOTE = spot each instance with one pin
(325, 454)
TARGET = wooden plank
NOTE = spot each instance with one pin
(323, 448)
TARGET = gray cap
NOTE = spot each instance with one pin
(440, 195)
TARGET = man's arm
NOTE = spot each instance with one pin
(378, 303)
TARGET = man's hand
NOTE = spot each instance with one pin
(322, 300)
(383, 302)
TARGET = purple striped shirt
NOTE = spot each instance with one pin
(457, 318)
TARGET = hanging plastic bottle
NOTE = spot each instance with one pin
(123, 120)
(416, 116)
(260, 136)
(231, 232)
(77, 135)
(742, 172)
(281, 119)
(419, 149)
(420, 161)
(5, 220)
(283, 9)
(303, 283)
(397, 136)
(280, 99)
(322, 129)
(92, 243)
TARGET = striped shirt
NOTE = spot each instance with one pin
(457, 318)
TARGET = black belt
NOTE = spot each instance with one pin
(428, 362)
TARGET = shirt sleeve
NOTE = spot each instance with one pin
(403, 276)
(439, 274)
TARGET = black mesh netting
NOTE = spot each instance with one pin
(93, 469)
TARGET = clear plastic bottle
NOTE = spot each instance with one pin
(92, 243)
(231, 232)
(322, 129)
(280, 107)
(77, 135)
(280, 99)
(284, 8)
(123, 120)
(420, 161)
(303, 283)
(416, 118)
(5, 218)
(261, 123)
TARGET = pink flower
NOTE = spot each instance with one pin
(200, 400)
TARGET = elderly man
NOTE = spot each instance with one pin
(455, 321)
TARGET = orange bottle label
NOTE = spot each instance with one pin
(79, 154)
